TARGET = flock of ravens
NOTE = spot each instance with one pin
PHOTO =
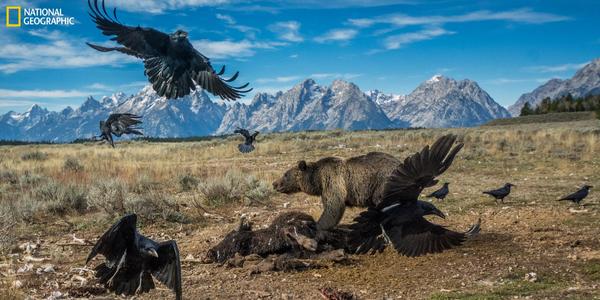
(175, 68)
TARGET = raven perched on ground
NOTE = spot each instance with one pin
(247, 146)
(133, 259)
(171, 63)
(399, 218)
(501, 193)
(579, 195)
(441, 193)
(119, 124)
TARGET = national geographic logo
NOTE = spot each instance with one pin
(17, 16)
(13, 16)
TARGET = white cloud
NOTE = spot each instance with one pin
(503, 81)
(232, 23)
(298, 78)
(401, 40)
(287, 31)
(335, 75)
(557, 68)
(227, 18)
(160, 6)
(45, 94)
(56, 51)
(523, 15)
(280, 79)
(274, 6)
(232, 49)
(4, 103)
(99, 86)
(134, 84)
(337, 35)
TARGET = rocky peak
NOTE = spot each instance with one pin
(586, 81)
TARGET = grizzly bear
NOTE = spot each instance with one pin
(357, 181)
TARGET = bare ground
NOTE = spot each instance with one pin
(530, 233)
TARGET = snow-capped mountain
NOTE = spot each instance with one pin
(445, 102)
(390, 104)
(438, 102)
(585, 82)
(308, 106)
(192, 115)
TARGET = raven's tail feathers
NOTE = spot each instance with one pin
(245, 148)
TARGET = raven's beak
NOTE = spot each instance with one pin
(438, 213)
(153, 253)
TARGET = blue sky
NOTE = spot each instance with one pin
(508, 47)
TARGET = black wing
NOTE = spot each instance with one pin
(205, 76)
(421, 237)
(243, 132)
(171, 76)
(419, 171)
(167, 267)
(138, 41)
(175, 77)
(366, 234)
(124, 123)
(116, 240)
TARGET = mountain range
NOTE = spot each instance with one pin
(586, 81)
(438, 102)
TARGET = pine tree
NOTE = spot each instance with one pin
(526, 109)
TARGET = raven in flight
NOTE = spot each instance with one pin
(171, 63)
(133, 259)
(399, 218)
(579, 195)
(119, 124)
(441, 193)
(501, 193)
(247, 146)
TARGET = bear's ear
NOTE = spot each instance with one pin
(302, 165)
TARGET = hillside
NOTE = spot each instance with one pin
(586, 81)
(544, 118)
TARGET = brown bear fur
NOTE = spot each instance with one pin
(357, 181)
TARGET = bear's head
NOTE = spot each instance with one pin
(297, 179)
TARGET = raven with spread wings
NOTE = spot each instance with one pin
(133, 259)
(249, 139)
(399, 218)
(119, 124)
(171, 63)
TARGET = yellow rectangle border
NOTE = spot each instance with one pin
(8, 9)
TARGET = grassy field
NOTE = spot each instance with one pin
(195, 192)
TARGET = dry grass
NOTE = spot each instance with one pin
(167, 183)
